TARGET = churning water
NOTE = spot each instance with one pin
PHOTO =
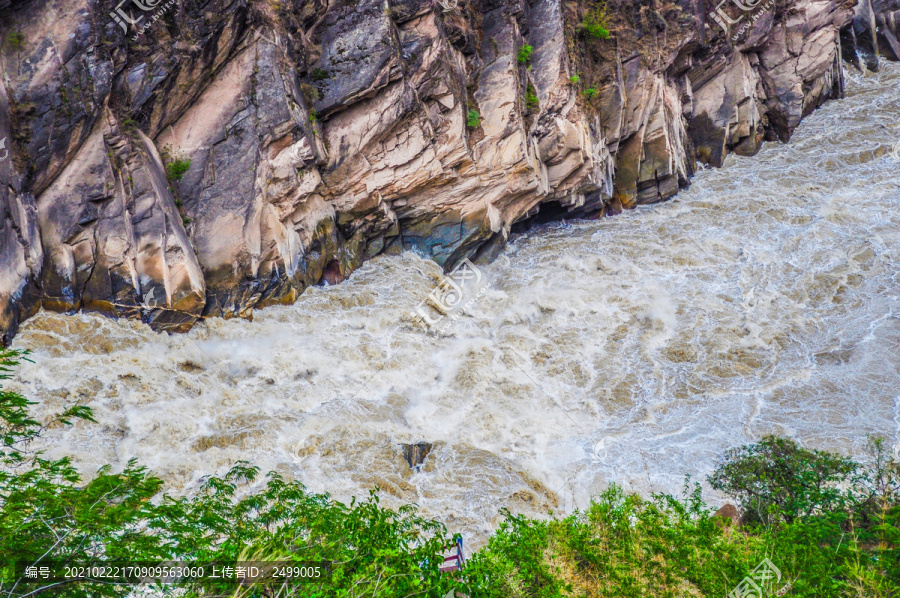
(634, 349)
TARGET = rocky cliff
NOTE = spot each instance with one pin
(176, 160)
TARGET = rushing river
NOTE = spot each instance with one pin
(633, 349)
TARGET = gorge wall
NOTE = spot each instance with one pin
(321, 134)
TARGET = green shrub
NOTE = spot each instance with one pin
(313, 115)
(15, 40)
(574, 79)
(525, 53)
(777, 477)
(595, 22)
(176, 169)
(531, 99)
(176, 164)
(590, 93)
(318, 74)
(473, 119)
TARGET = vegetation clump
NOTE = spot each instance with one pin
(176, 163)
(595, 22)
(473, 119)
(590, 93)
(531, 99)
(525, 52)
(15, 40)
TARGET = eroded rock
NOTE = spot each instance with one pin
(322, 134)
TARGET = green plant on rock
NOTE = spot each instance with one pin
(176, 165)
(313, 115)
(590, 93)
(595, 22)
(531, 99)
(525, 53)
(318, 74)
(15, 40)
(473, 119)
(574, 79)
(176, 169)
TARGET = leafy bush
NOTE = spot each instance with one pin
(621, 545)
(776, 477)
(590, 93)
(473, 119)
(15, 40)
(531, 99)
(176, 169)
(574, 79)
(595, 22)
(525, 53)
(176, 163)
(318, 74)
(664, 547)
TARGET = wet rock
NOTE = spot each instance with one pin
(728, 515)
(415, 453)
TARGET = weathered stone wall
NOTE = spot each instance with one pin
(322, 134)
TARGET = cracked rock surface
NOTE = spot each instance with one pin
(320, 134)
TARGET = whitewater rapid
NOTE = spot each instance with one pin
(634, 349)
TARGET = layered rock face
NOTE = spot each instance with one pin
(321, 134)
(876, 30)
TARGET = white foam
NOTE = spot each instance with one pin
(763, 300)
